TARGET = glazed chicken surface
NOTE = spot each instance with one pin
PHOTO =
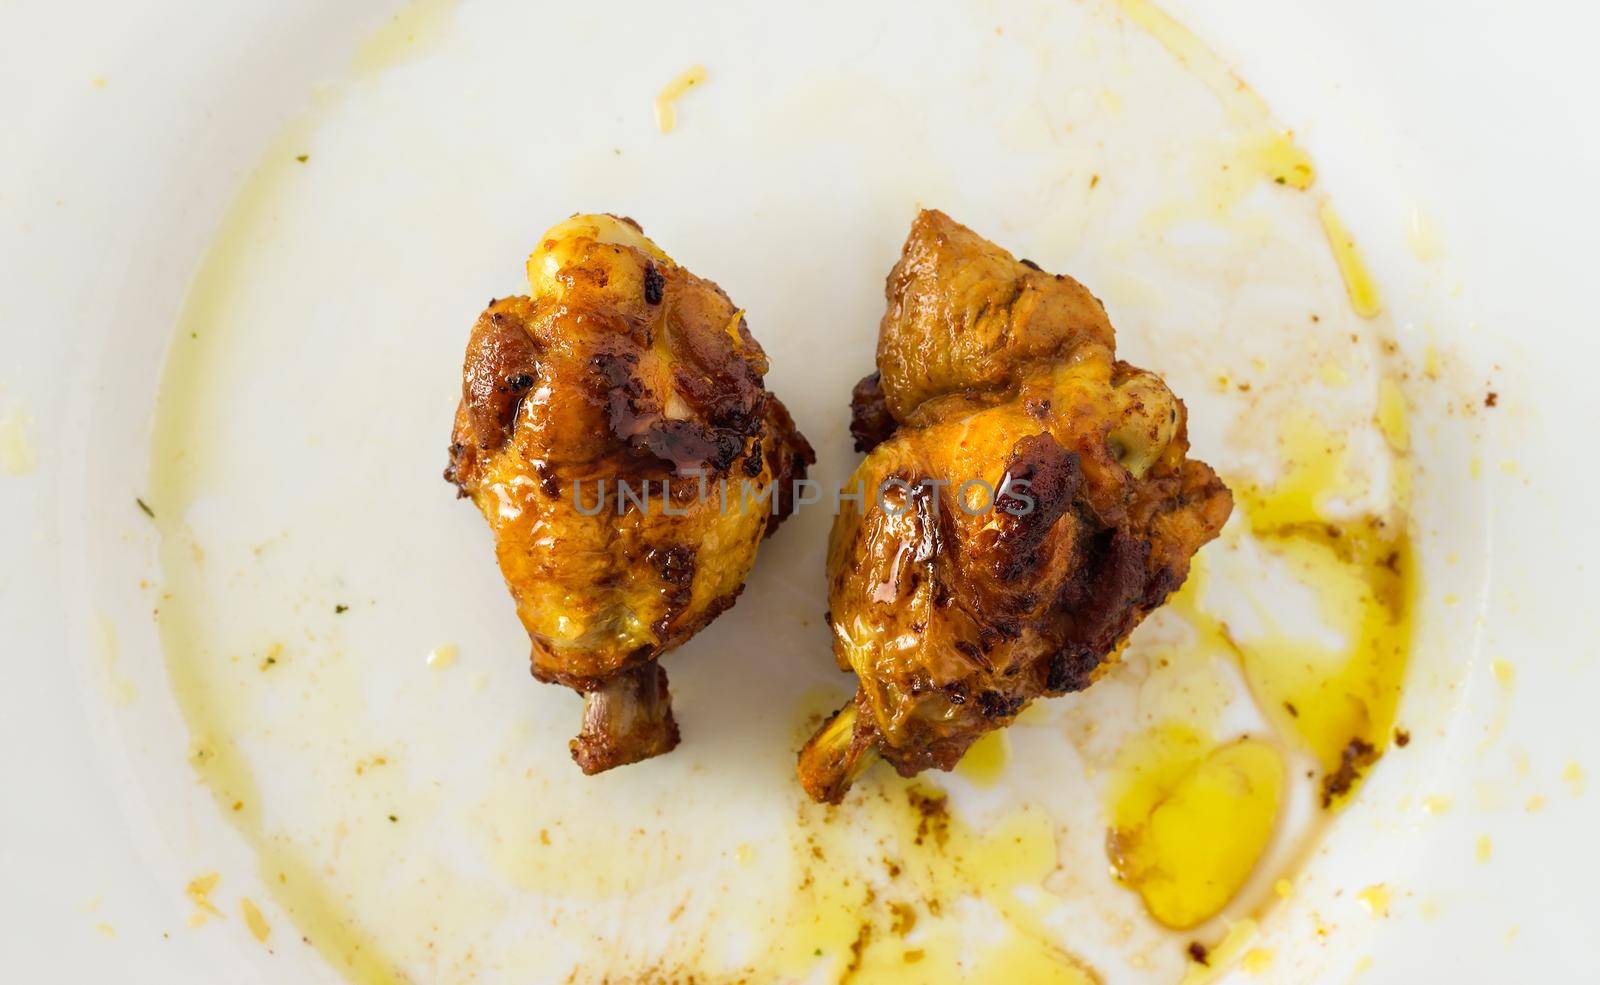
(957, 607)
(619, 365)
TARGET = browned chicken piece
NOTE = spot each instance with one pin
(956, 606)
(620, 366)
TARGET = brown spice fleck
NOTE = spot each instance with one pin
(1199, 954)
(1357, 756)
(935, 816)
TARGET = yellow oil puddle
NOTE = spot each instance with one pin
(410, 32)
(986, 759)
(1190, 819)
(667, 98)
(1339, 701)
(1358, 282)
(911, 902)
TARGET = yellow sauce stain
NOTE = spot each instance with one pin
(986, 759)
(1437, 804)
(1504, 672)
(667, 98)
(1375, 899)
(1190, 820)
(1283, 889)
(1485, 849)
(1535, 804)
(1277, 158)
(1266, 152)
(16, 451)
(410, 32)
(257, 924)
(176, 479)
(1358, 282)
(926, 889)
(199, 892)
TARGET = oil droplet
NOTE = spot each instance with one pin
(1256, 960)
(413, 29)
(667, 99)
(1485, 849)
(442, 656)
(1358, 282)
(1190, 822)
(16, 451)
(985, 760)
(1333, 374)
(1573, 774)
(259, 928)
(1437, 803)
(1375, 899)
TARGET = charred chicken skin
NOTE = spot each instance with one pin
(954, 602)
(619, 366)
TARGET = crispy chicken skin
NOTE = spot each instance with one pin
(619, 365)
(956, 609)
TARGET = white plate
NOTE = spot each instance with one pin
(154, 189)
